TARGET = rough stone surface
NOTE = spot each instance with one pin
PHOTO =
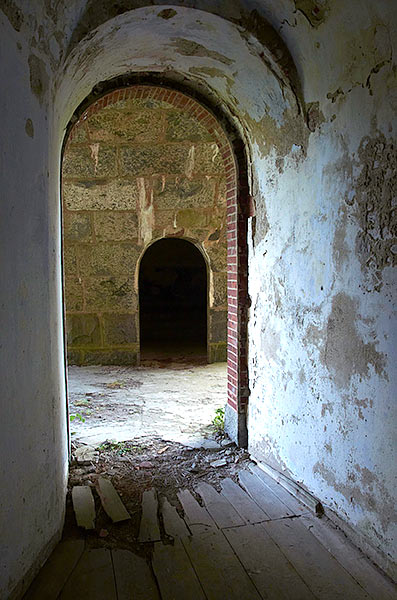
(119, 329)
(115, 226)
(101, 194)
(134, 171)
(83, 330)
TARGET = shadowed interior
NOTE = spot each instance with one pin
(173, 298)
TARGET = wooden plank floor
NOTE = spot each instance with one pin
(250, 541)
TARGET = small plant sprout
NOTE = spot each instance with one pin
(77, 416)
(219, 420)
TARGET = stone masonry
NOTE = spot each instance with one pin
(141, 164)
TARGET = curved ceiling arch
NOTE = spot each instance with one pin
(259, 19)
(198, 48)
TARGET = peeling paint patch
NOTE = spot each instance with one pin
(190, 48)
(375, 208)
(314, 116)
(344, 352)
(38, 77)
(327, 406)
(167, 13)
(13, 13)
(333, 96)
(29, 128)
(315, 11)
(211, 72)
(362, 403)
(363, 489)
(340, 250)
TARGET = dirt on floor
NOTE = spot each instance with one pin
(138, 465)
(168, 399)
(154, 426)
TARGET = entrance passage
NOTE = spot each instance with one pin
(173, 299)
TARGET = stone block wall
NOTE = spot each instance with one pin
(141, 164)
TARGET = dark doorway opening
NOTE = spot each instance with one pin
(173, 300)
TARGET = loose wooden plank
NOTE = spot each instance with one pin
(218, 568)
(325, 577)
(273, 575)
(111, 501)
(84, 506)
(149, 528)
(194, 513)
(173, 524)
(92, 579)
(134, 578)
(244, 505)
(351, 558)
(56, 571)
(263, 496)
(296, 506)
(219, 507)
(175, 575)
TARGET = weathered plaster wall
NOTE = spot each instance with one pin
(33, 427)
(320, 134)
(323, 334)
(140, 168)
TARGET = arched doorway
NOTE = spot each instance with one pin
(173, 299)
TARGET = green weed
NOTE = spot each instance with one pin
(77, 416)
(218, 421)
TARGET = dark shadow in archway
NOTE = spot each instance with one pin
(173, 301)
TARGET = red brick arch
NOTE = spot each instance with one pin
(236, 195)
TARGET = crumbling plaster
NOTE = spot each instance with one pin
(334, 434)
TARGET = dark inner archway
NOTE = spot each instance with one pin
(173, 299)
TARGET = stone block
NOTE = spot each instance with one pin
(74, 357)
(83, 330)
(161, 159)
(164, 219)
(111, 357)
(220, 289)
(119, 329)
(218, 257)
(191, 218)
(77, 227)
(130, 125)
(89, 161)
(69, 260)
(183, 127)
(208, 159)
(79, 134)
(217, 352)
(184, 193)
(74, 295)
(114, 294)
(115, 226)
(118, 194)
(107, 259)
(218, 325)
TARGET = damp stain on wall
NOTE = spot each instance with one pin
(343, 351)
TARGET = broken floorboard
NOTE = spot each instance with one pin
(111, 501)
(224, 545)
(149, 530)
(84, 506)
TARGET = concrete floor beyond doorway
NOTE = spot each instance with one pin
(170, 399)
